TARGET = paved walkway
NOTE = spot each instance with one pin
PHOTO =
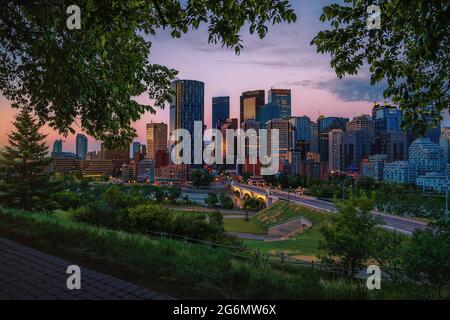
(26, 273)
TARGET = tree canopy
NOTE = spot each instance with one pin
(89, 77)
(410, 52)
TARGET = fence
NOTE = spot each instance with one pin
(243, 253)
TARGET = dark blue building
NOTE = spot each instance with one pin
(187, 107)
(267, 112)
(81, 146)
(282, 97)
(220, 110)
(136, 149)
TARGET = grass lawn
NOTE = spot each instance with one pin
(306, 243)
(186, 270)
(242, 226)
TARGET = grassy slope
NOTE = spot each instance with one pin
(181, 269)
(305, 243)
(242, 226)
(231, 225)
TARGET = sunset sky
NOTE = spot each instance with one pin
(284, 59)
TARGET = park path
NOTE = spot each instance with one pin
(29, 274)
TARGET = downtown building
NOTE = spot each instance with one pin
(250, 102)
(250, 148)
(156, 136)
(186, 108)
(302, 136)
(373, 167)
(400, 172)
(282, 98)
(284, 128)
(81, 146)
(220, 110)
(325, 125)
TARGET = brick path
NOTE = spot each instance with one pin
(26, 273)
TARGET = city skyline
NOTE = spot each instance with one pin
(284, 59)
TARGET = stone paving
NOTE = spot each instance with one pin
(28, 274)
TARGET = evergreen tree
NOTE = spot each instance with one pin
(23, 180)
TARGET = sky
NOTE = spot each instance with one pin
(283, 59)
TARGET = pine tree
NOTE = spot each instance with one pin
(23, 180)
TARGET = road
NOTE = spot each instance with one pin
(400, 224)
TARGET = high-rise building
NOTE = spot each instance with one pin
(394, 144)
(144, 149)
(335, 149)
(356, 146)
(250, 102)
(361, 123)
(387, 119)
(285, 135)
(267, 112)
(400, 172)
(220, 110)
(229, 124)
(187, 107)
(81, 146)
(281, 97)
(57, 146)
(387, 122)
(426, 156)
(156, 135)
(325, 126)
(136, 149)
(314, 137)
(302, 128)
(373, 167)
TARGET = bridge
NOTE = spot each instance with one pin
(270, 196)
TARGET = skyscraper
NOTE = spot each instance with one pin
(281, 97)
(267, 112)
(361, 123)
(250, 102)
(394, 144)
(156, 139)
(302, 135)
(356, 146)
(325, 126)
(285, 133)
(57, 146)
(220, 110)
(335, 137)
(136, 149)
(187, 107)
(81, 146)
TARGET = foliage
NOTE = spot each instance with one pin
(93, 74)
(226, 202)
(409, 52)
(212, 201)
(254, 204)
(24, 182)
(201, 178)
(348, 237)
(427, 258)
(246, 176)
